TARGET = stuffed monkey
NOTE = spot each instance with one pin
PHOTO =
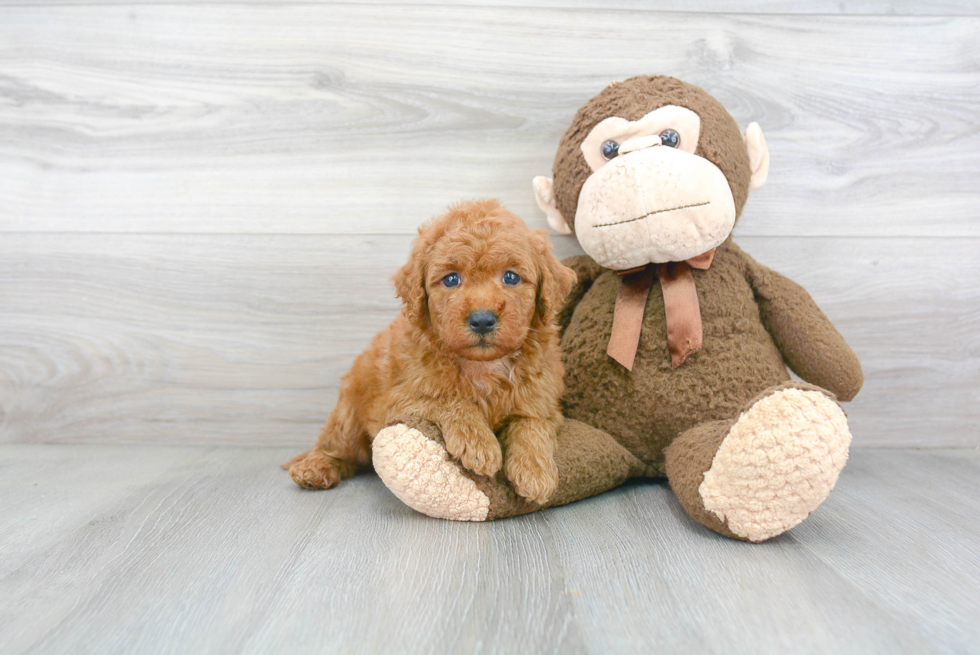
(675, 342)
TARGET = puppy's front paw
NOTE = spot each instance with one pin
(534, 475)
(476, 449)
(315, 470)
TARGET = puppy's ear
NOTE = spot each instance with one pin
(554, 282)
(409, 283)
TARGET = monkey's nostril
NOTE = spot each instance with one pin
(482, 322)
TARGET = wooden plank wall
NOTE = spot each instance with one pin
(200, 204)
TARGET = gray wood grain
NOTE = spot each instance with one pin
(743, 600)
(215, 550)
(153, 159)
(930, 495)
(313, 118)
(243, 339)
(846, 7)
(46, 495)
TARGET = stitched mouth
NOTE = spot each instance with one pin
(659, 211)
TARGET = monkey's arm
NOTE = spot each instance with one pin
(808, 341)
(586, 270)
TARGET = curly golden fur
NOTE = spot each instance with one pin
(495, 395)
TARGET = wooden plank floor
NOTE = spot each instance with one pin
(151, 549)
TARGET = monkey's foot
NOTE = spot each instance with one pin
(777, 463)
(422, 474)
(412, 461)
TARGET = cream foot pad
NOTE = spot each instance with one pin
(422, 475)
(778, 463)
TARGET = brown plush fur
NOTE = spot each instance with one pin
(691, 454)
(755, 321)
(622, 423)
(589, 462)
(429, 364)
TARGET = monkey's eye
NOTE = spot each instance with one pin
(451, 280)
(670, 138)
(610, 149)
(512, 279)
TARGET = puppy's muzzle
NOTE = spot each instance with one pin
(482, 322)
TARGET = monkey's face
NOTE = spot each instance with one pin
(650, 198)
(651, 170)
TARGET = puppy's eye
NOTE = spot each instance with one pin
(670, 138)
(451, 280)
(512, 279)
(610, 149)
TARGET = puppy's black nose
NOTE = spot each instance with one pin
(482, 322)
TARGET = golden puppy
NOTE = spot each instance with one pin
(475, 351)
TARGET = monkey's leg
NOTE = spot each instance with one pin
(762, 473)
(412, 461)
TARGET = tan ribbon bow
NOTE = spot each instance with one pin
(681, 308)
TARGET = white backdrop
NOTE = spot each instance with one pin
(200, 205)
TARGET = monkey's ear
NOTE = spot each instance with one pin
(755, 144)
(544, 192)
